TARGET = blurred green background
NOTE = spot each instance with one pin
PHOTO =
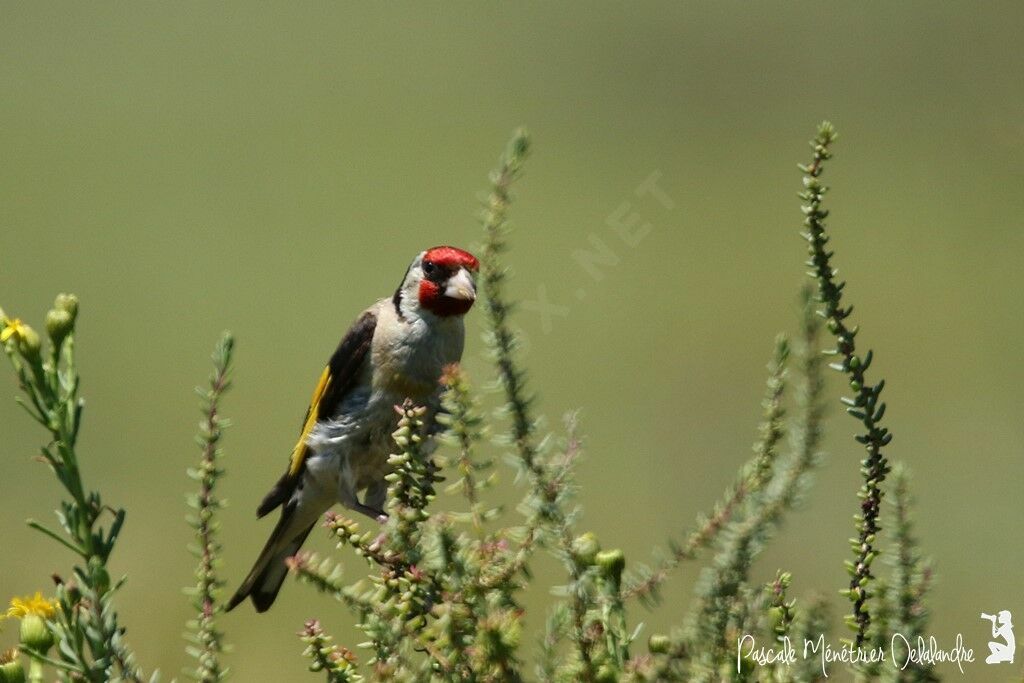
(192, 167)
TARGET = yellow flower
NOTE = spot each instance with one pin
(13, 327)
(35, 605)
(26, 338)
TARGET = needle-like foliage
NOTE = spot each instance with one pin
(865, 405)
(206, 641)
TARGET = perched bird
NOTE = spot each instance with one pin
(396, 349)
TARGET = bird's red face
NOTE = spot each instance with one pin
(447, 286)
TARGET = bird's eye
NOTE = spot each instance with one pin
(429, 268)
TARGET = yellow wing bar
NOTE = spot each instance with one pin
(312, 415)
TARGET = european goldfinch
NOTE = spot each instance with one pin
(396, 349)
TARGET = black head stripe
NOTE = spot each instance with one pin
(397, 301)
(397, 298)
(439, 274)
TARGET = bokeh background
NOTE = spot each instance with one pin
(193, 167)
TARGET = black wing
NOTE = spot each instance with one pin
(335, 382)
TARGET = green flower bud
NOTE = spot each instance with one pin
(658, 643)
(611, 562)
(776, 616)
(29, 343)
(59, 324)
(67, 302)
(585, 548)
(35, 633)
(606, 673)
(101, 579)
(11, 670)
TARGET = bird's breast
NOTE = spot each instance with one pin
(409, 360)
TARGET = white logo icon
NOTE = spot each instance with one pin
(1002, 627)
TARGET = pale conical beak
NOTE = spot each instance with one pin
(460, 286)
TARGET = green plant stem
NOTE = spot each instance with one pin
(721, 585)
(336, 662)
(910, 581)
(503, 344)
(752, 477)
(207, 640)
(463, 424)
(36, 673)
(52, 389)
(865, 405)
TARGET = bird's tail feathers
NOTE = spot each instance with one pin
(278, 494)
(268, 572)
